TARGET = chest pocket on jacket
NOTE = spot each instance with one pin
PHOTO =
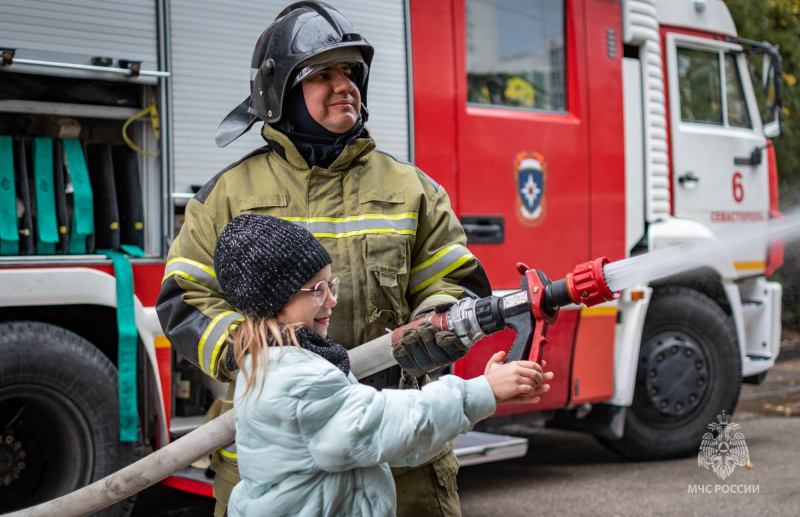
(387, 279)
(263, 204)
(387, 259)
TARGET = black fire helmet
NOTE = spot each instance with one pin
(300, 32)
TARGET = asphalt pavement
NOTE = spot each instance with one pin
(571, 474)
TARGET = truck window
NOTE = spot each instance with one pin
(515, 54)
(699, 85)
(737, 106)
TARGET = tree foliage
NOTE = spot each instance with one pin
(778, 22)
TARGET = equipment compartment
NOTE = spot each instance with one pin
(78, 185)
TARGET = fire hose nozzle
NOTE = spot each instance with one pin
(587, 284)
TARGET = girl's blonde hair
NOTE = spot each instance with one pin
(253, 336)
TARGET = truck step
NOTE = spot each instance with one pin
(196, 474)
(478, 447)
(472, 448)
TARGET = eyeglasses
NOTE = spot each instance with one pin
(321, 290)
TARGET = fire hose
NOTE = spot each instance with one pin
(527, 311)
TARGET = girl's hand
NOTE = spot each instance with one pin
(518, 382)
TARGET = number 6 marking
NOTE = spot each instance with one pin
(738, 188)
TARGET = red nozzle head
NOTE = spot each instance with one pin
(587, 284)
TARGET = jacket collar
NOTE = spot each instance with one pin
(352, 151)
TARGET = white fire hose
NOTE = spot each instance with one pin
(369, 358)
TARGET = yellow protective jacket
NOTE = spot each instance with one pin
(395, 242)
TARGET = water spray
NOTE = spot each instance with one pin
(655, 265)
(530, 310)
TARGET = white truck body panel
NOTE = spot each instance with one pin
(627, 341)
(634, 153)
(704, 15)
(723, 195)
(640, 28)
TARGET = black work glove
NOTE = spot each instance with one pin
(423, 349)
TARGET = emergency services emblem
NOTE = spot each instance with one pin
(530, 179)
(721, 451)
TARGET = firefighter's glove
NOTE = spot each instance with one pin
(423, 349)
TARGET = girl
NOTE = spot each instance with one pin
(310, 439)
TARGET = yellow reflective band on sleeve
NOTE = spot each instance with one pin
(194, 263)
(212, 340)
(431, 301)
(434, 258)
(192, 271)
(439, 298)
(448, 259)
(219, 343)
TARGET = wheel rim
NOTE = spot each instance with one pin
(49, 435)
(673, 377)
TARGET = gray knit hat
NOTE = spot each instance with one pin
(262, 261)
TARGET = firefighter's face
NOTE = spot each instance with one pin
(332, 98)
(303, 308)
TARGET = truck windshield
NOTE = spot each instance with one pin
(738, 115)
(764, 87)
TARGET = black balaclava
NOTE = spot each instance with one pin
(317, 145)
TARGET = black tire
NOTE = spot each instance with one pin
(58, 404)
(689, 372)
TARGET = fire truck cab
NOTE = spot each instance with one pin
(594, 128)
(562, 130)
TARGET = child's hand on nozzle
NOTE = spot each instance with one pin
(518, 382)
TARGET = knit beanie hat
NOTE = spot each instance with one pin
(262, 261)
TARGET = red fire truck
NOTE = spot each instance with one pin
(563, 130)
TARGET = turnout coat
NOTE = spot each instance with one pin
(395, 242)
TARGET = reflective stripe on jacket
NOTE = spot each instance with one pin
(395, 242)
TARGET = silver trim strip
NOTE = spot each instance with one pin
(113, 70)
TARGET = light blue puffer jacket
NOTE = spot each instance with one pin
(316, 442)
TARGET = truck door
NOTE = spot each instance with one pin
(501, 117)
(719, 166)
(521, 133)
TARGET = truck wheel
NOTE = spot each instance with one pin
(689, 372)
(59, 421)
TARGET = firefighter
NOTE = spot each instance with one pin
(395, 242)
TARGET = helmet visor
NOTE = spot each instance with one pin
(349, 55)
